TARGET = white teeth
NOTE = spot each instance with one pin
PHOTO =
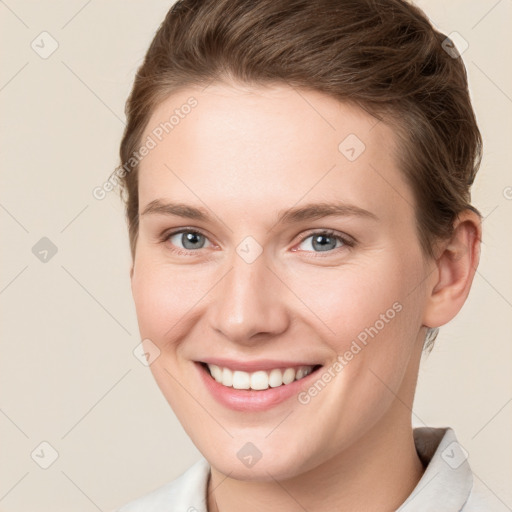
(288, 375)
(227, 377)
(216, 372)
(275, 378)
(241, 380)
(258, 380)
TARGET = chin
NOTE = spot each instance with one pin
(258, 462)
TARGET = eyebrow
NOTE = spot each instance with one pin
(309, 211)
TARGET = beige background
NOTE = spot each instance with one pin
(68, 375)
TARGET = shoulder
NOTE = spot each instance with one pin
(448, 484)
(482, 498)
(186, 493)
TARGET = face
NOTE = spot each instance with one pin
(277, 251)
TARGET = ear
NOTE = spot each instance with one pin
(454, 270)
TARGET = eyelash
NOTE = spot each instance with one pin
(347, 242)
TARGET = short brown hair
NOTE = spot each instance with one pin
(382, 55)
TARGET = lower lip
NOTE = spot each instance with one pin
(251, 400)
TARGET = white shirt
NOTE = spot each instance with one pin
(447, 485)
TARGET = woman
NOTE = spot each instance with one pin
(297, 182)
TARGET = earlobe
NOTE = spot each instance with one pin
(456, 267)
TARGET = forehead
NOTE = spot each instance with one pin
(270, 145)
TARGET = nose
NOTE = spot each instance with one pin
(249, 303)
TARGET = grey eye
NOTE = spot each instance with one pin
(190, 240)
(322, 242)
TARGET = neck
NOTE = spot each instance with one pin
(378, 472)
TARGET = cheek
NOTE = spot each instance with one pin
(348, 299)
(165, 297)
(367, 310)
(370, 319)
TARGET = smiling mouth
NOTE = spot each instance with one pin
(259, 380)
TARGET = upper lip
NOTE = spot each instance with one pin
(253, 366)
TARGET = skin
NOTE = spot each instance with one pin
(245, 153)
